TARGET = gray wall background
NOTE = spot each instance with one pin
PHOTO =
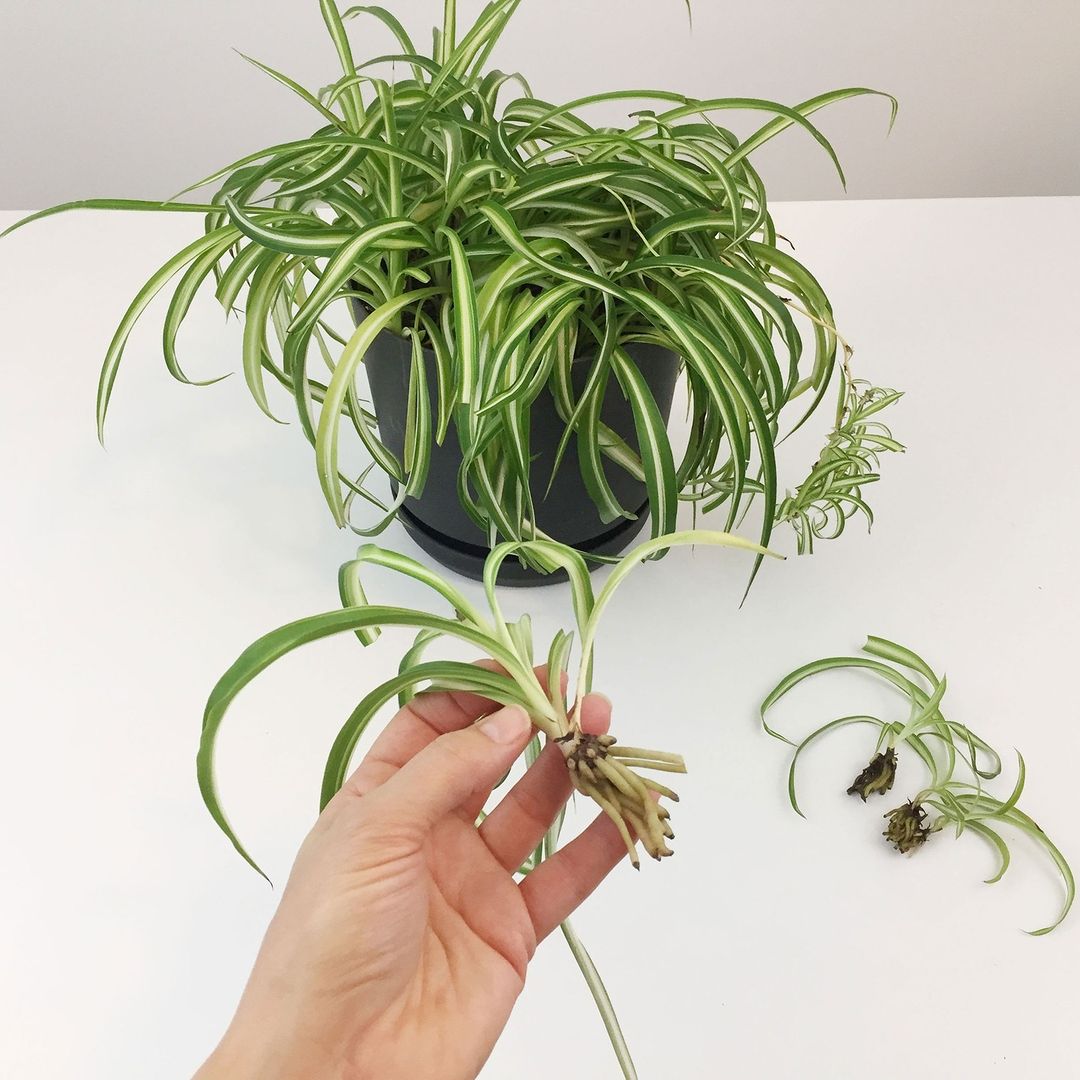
(135, 98)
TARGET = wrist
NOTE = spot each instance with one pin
(266, 1055)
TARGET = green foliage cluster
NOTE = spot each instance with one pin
(514, 239)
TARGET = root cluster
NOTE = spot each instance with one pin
(604, 771)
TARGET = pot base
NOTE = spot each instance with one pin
(468, 559)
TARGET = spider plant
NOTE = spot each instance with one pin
(832, 493)
(513, 238)
(956, 760)
(599, 767)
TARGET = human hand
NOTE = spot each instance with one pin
(402, 938)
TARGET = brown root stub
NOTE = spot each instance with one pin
(907, 828)
(877, 777)
(604, 771)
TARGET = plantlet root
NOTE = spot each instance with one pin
(604, 771)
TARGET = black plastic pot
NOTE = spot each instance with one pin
(438, 522)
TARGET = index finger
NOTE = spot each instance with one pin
(421, 722)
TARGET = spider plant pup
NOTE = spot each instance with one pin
(961, 765)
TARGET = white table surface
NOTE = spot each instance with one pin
(786, 948)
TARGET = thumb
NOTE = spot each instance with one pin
(457, 767)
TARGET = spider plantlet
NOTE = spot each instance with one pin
(598, 766)
(877, 777)
(832, 494)
(907, 828)
(959, 762)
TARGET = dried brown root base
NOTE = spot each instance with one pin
(605, 772)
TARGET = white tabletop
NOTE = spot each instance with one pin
(785, 947)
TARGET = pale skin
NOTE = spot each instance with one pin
(403, 936)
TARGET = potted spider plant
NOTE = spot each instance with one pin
(527, 288)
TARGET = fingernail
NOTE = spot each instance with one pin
(507, 725)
